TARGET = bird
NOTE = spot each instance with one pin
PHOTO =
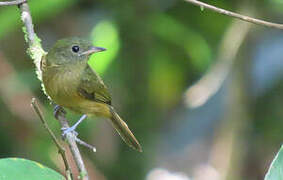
(71, 83)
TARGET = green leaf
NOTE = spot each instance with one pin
(104, 34)
(23, 169)
(275, 171)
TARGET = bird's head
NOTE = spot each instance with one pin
(71, 51)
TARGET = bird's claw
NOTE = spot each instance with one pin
(65, 131)
(58, 109)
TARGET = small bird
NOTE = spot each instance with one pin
(72, 83)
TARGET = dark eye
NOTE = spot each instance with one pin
(75, 49)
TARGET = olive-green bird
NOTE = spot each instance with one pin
(72, 83)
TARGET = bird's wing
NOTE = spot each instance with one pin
(92, 87)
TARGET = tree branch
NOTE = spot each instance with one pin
(71, 140)
(199, 93)
(12, 3)
(36, 52)
(61, 149)
(27, 20)
(236, 15)
(81, 142)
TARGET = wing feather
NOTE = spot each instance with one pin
(92, 87)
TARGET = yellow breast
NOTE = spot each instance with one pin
(61, 85)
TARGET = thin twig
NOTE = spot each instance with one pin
(61, 149)
(81, 142)
(36, 52)
(236, 15)
(12, 3)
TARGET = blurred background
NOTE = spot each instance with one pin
(202, 92)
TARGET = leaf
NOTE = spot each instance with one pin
(275, 171)
(23, 169)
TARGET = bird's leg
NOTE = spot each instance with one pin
(58, 109)
(73, 128)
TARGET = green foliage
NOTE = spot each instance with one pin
(275, 171)
(17, 168)
(192, 42)
(276, 5)
(9, 17)
(104, 34)
(166, 78)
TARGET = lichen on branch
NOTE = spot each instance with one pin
(36, 52)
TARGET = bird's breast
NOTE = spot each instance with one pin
(61, 85)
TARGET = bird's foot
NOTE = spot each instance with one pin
(72, 129)
(58, 109)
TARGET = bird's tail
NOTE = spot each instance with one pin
(123, 130)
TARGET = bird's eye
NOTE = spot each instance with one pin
(75, 49)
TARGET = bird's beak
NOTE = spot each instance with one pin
(92, 50)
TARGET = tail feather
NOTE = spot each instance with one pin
(123, 130)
